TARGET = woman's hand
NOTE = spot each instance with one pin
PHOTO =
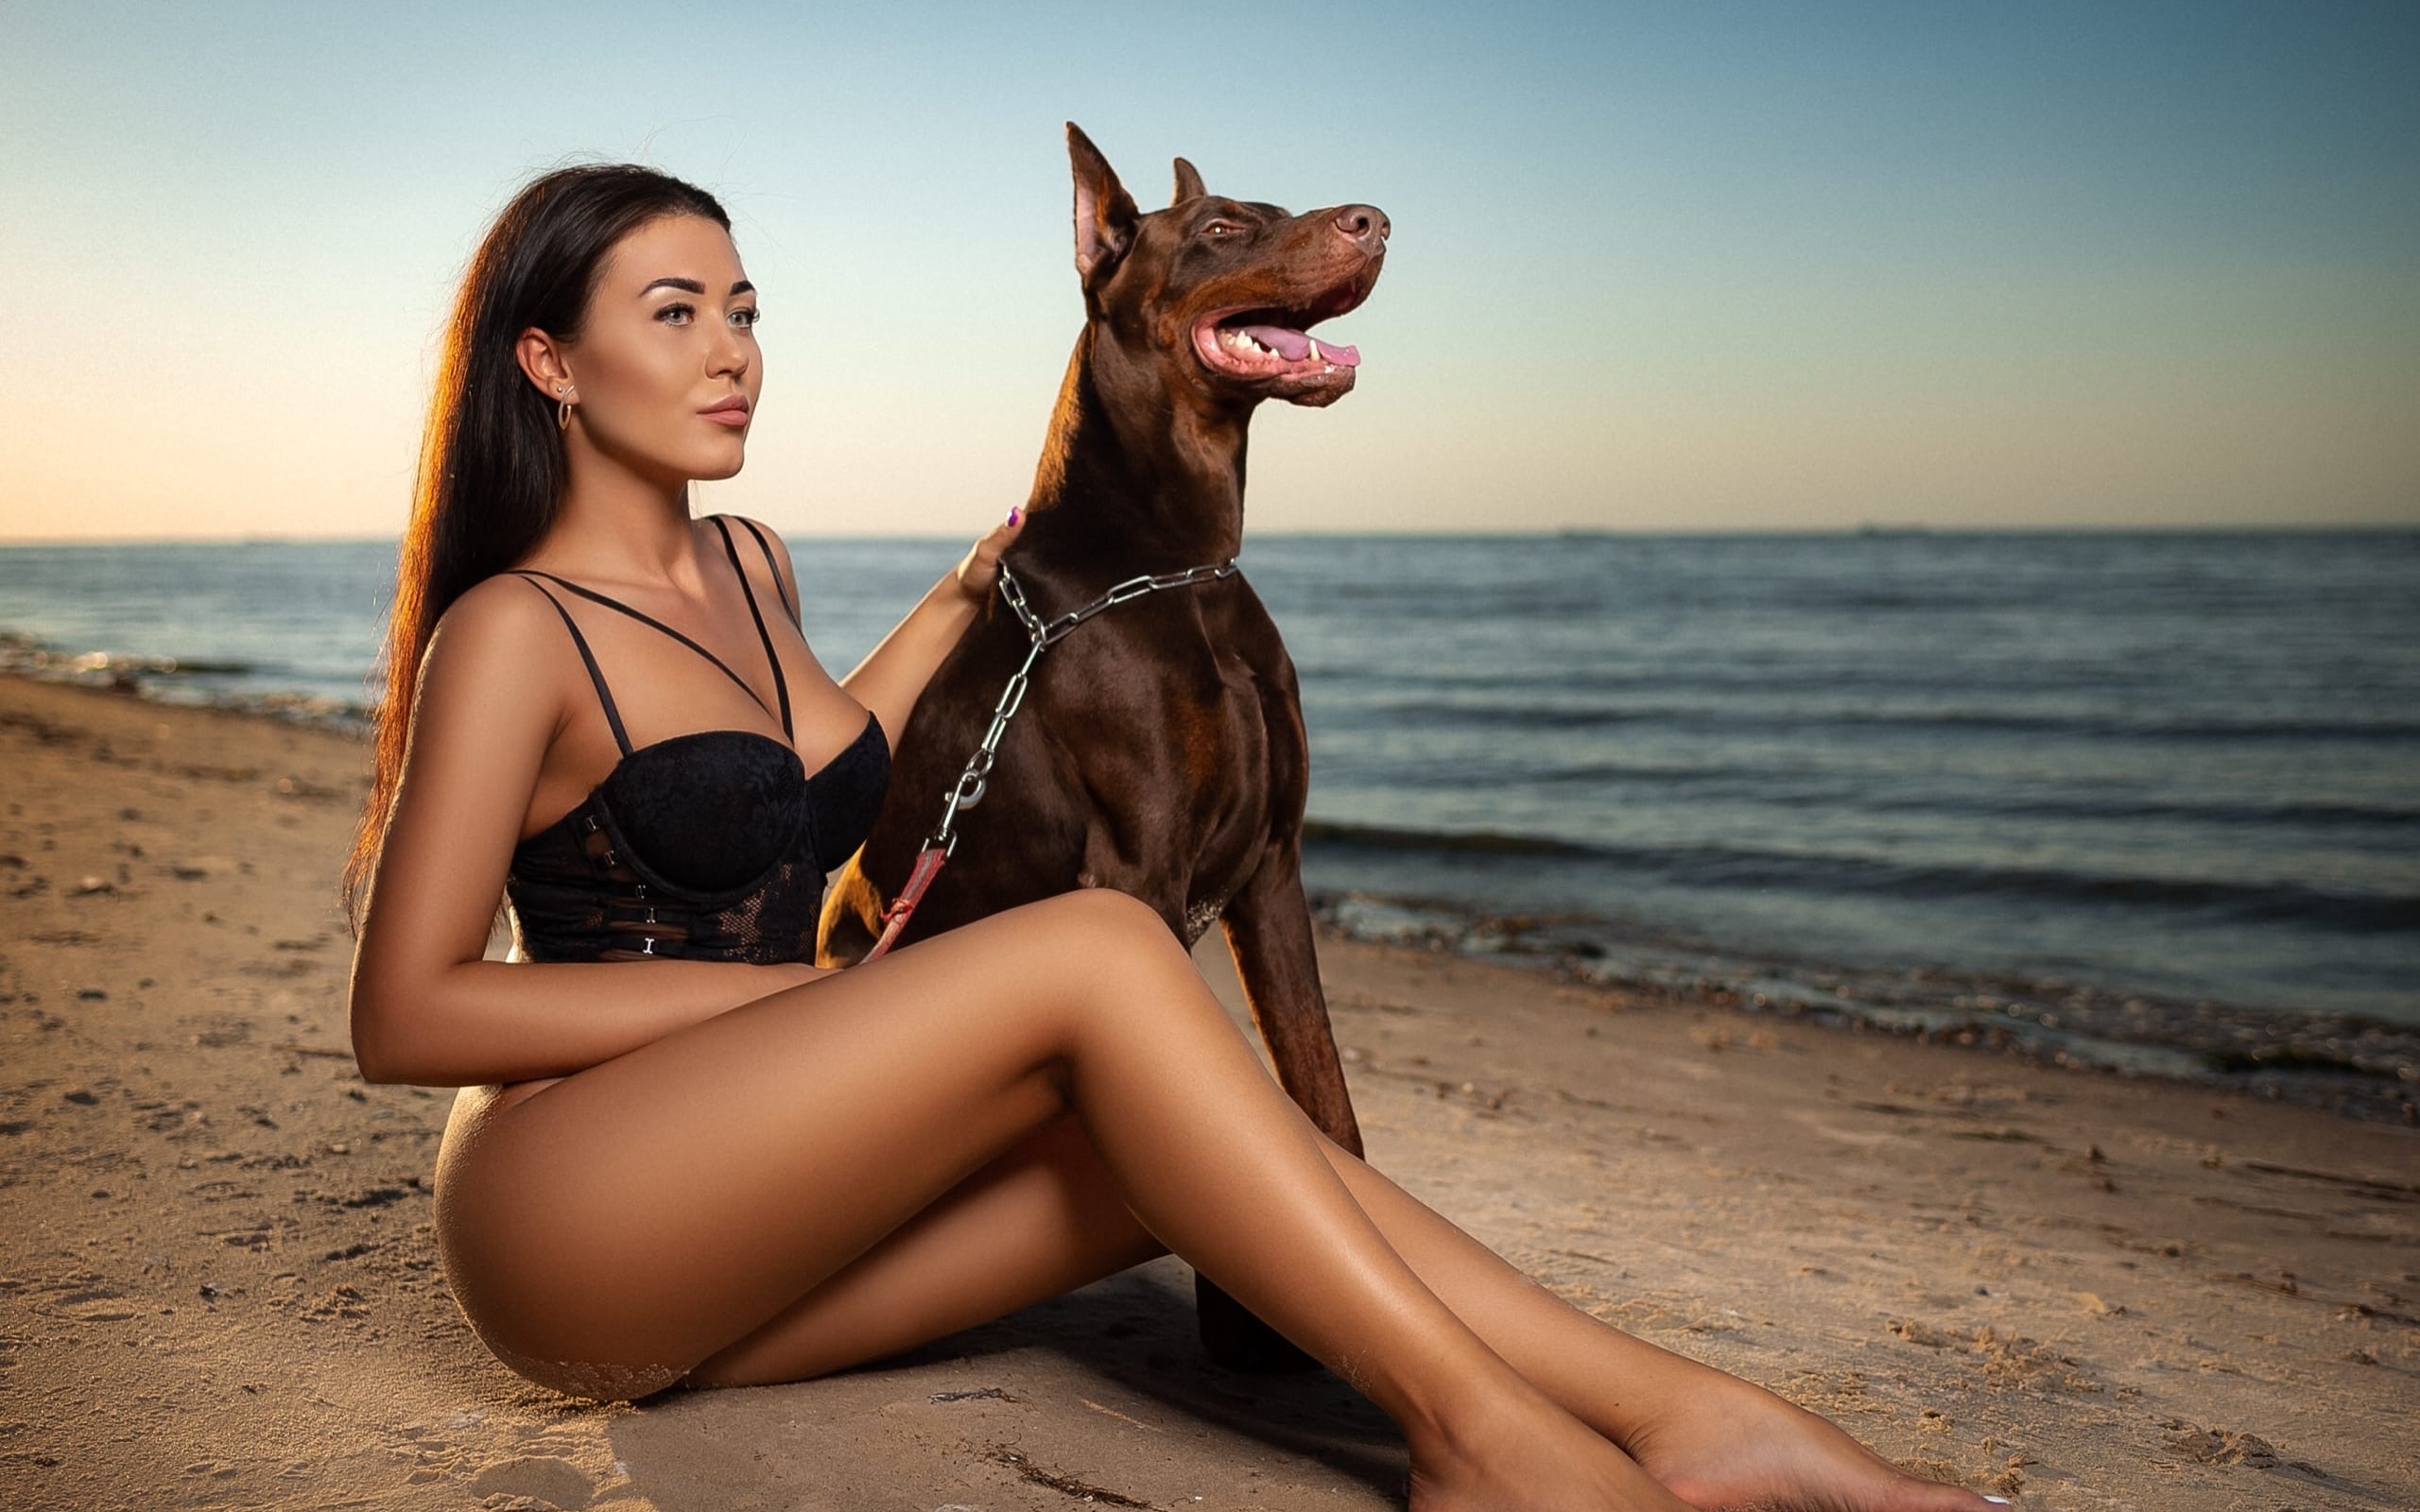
(979, 571)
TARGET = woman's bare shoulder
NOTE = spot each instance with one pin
(506, 613)
(499, 644)
(782, 569)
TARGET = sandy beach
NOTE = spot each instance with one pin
(219, 1287)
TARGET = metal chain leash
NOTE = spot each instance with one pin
(968, 790)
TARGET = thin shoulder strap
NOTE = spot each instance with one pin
(768, 550)
(604, 696)
(650, 619)
(780, 684)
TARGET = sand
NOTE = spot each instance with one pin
(219, 1287)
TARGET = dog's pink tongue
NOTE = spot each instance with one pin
(1294, 345)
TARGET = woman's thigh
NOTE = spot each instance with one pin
(608, 1232)
(1041, 1219)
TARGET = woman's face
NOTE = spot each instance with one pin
(670, 330)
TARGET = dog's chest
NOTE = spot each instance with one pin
(1174, 778)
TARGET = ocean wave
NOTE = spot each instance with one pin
(1498, 717)
(2335, 910)
(1850, 789)
(2351, 1063)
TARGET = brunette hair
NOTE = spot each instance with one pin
(492, 468)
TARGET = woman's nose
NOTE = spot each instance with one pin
(730, 354)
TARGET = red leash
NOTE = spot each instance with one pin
(894, 918)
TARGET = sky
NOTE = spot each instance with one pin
(1704, 267)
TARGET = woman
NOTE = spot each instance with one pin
(724, 1166)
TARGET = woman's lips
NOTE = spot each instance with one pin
(733, 418)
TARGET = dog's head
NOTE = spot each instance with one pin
(1218, 294)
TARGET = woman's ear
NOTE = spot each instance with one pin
(542, 359)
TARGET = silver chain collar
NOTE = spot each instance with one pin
(968, 790)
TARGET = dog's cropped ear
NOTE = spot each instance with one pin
(1105, 212)
(1188, 182)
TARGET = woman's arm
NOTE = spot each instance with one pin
(426, 1007)
(894, 674)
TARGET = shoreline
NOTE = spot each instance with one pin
(2349, 1064)
(2358, 1065)
(220, 1286)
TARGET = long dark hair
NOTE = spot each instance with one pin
(492, 467)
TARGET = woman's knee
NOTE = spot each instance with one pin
(1112, 947)
(1111, 928)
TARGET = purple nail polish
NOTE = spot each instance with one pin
(1013, 512)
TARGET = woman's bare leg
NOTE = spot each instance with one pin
(661, 1204)
(1038, 1222)
(1711, 1437)
(1046, 1217)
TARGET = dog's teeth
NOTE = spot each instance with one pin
(1243, 343)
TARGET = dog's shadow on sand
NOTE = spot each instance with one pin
(1133, 1331)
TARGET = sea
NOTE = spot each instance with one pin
(2142, 802)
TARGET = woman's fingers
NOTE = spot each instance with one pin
(981, 568)
(1006, 531)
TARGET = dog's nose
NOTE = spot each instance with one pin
(1366, 225)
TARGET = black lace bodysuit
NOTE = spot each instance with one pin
(708, 846)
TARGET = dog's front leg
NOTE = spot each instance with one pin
(1269, 930)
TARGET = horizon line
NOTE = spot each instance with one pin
(1869, 528)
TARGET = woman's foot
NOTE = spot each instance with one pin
(1726, 1443)
(1532, 1456)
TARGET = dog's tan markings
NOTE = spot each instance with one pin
(1201, 745)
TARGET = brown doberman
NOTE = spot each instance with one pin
(1160, 748)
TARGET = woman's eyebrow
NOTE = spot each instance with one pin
(693, 286)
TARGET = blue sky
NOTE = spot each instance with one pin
(1706, 267)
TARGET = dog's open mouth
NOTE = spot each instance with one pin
(1265, 344)
(1267, 348)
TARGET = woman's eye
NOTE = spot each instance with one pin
(688, 310)
(746, 315)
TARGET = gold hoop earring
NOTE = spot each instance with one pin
(563, 411)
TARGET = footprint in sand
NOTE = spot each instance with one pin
(555, 1482)
(91, 1304)
(337, 1302)
(2218, 1446)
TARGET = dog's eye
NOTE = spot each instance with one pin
(1220, 229)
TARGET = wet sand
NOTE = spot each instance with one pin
(219, 1286)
